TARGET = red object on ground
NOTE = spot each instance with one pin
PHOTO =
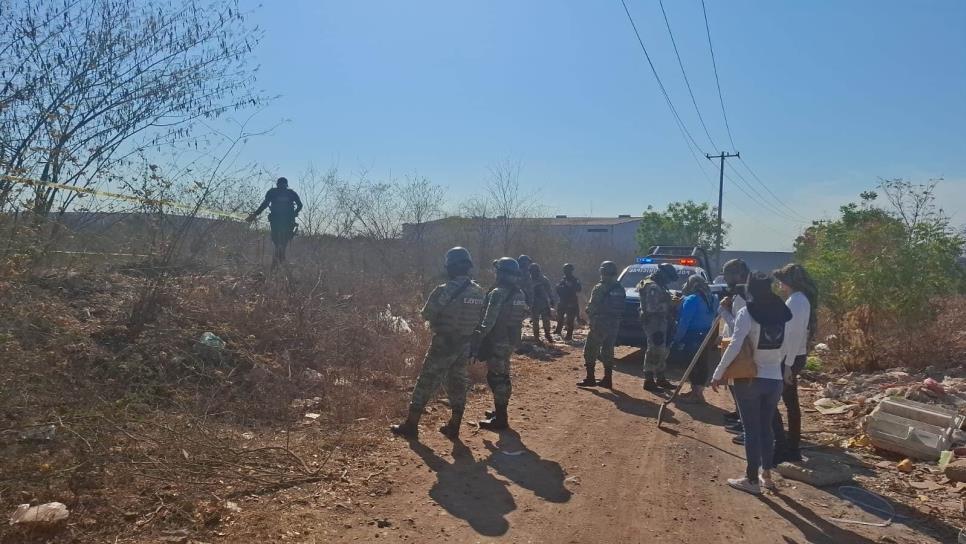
(934, 386)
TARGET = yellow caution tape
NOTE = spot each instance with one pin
(128, 198)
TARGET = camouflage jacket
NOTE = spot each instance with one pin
(455, 307)
(655, 300)
(607, 301)
(504, 309)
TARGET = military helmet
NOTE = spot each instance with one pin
(458, 255)
(524, 261)
(667, 271)
(507, 265)
(568, 268)
(608, 268)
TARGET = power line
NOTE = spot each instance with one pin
(717, 81)
(775, 197)
(756, 198)
(724, 114)
(682, 127)
(684, 74)
(657, 77)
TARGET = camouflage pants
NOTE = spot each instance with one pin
(445, 364)
(655, 358)
(498, 373)
(600, 345)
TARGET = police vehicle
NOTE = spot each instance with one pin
(686, 260)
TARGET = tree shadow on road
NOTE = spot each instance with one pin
(815, 528)
(467, 490)
(512, 459)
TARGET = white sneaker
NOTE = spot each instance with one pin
(746, 485)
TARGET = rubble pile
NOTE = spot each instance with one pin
(904, 427)
(946, 388)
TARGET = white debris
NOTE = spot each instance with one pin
(49, 513)
(396, 324)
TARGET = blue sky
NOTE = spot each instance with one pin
(823, 98)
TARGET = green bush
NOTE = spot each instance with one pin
(879, 268)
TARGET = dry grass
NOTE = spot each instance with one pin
(155, 431)
(940, 344)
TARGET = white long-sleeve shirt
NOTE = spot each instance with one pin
(796, 330)
(768, 361)
(728, 316)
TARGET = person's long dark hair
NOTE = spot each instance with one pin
(795, 276)
(764, 305)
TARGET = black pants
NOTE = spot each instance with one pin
(699, 374)
(536, 317)
(791, 441)
(566, 314)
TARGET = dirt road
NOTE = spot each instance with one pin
(589, 465)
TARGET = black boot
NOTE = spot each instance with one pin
(589, 381)
(452, 429)
(410, 427)
(607, 382)
(497, 421)
(649, 383)
(662, 382)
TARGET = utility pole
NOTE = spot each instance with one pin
(718, 236)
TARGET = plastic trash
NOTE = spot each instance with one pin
(870, 502)
(212, 341)
(827, 406)
(49, 513)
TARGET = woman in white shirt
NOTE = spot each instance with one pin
(763, 322)
(800, 296)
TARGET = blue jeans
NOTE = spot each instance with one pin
(757, 403)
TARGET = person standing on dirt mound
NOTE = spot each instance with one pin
(544, 299)
(568, 306)
(453, 310)
(656, 315)
(284, 206)
(604, 310)
(504, 308)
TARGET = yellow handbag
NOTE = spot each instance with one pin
(743, 367)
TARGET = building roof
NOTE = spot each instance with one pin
(551, 221)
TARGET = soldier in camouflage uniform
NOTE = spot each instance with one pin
(498, 334)
(568, 307)
(453, 311)
(656, 317)
(543, 301)
(604, 311)
(525, 283)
